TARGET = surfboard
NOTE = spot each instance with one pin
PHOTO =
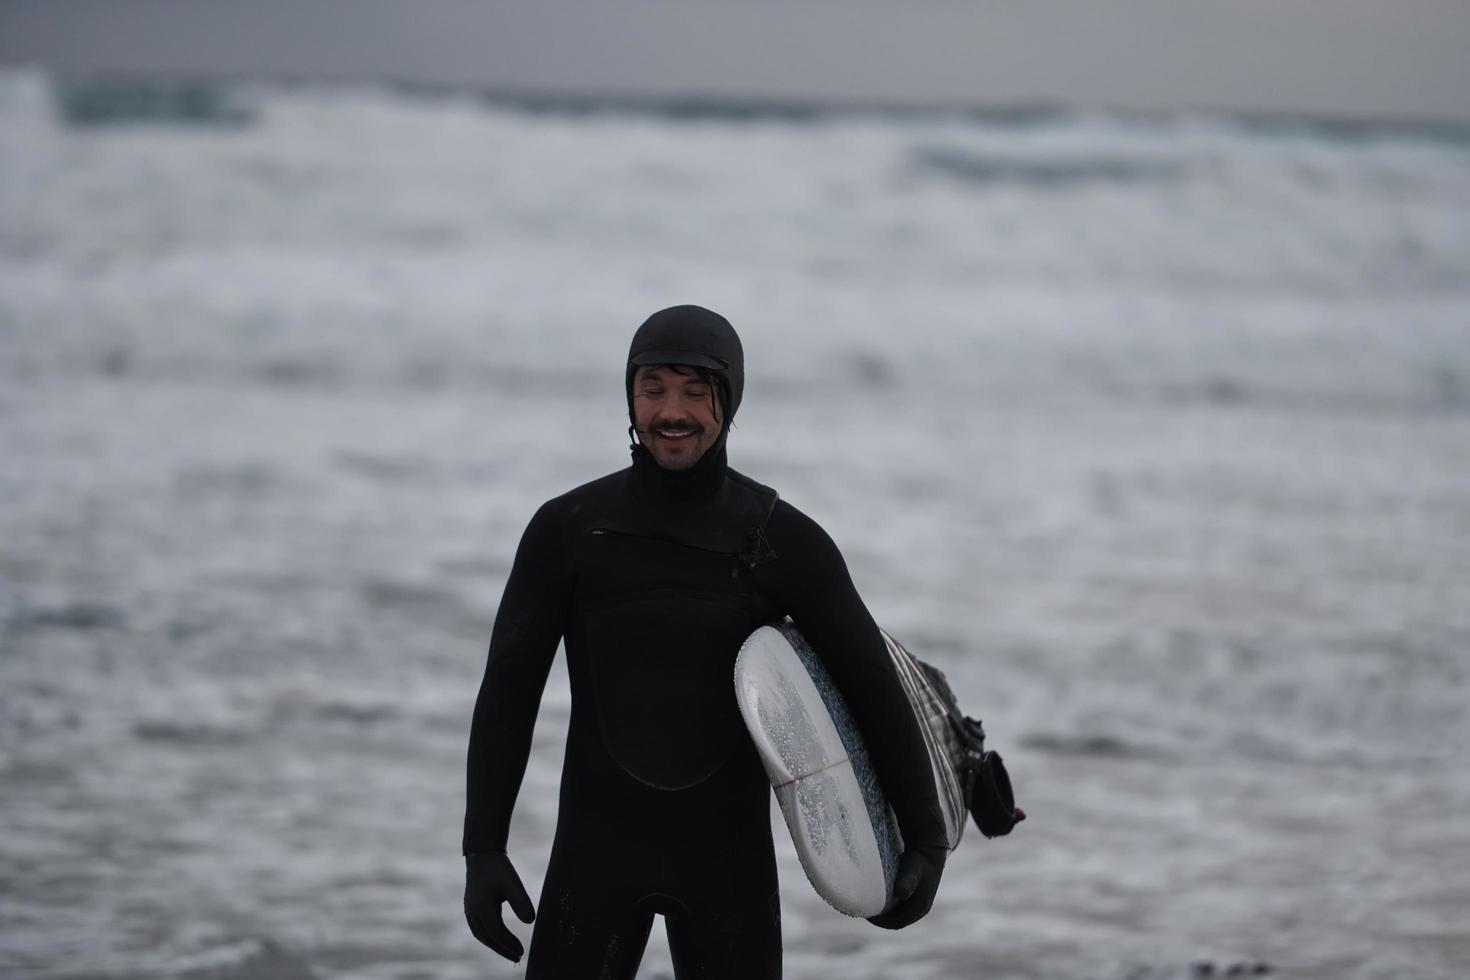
(844, 831)
(840, 823)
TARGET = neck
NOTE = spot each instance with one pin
(700, 480)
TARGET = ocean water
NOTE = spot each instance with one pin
(1152, 432)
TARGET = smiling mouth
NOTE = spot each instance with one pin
(675, 434)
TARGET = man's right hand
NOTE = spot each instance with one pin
(489, 881)
(919, 870)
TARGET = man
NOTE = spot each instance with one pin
(655, 575)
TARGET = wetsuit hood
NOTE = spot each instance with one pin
(693, 336)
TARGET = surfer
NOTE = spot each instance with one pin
(654, 575)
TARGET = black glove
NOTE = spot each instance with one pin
(490, 880)
(914, 886)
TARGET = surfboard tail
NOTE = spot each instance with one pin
(970, 779)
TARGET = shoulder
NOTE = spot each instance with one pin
(591, 492)
(757, 498)
(580, 502)
(747, 485)
(792, 533)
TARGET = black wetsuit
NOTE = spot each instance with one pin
(655, 578)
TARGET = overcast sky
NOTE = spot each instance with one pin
(1361, 58)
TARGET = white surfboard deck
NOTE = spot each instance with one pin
(843, 830)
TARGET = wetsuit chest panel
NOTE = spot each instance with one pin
(662, 624)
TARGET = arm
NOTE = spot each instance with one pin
(528, 627)
(810, 580)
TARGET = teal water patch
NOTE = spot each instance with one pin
(109, 102)
(1043, 171)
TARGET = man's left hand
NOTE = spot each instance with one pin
(919, 869)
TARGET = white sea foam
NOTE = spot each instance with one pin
(1152, 433)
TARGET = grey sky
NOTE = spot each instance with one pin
(1409, 58)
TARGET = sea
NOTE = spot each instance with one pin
(1152, 431)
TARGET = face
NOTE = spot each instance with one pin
(675, 412)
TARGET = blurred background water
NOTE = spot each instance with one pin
(1152, 431)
